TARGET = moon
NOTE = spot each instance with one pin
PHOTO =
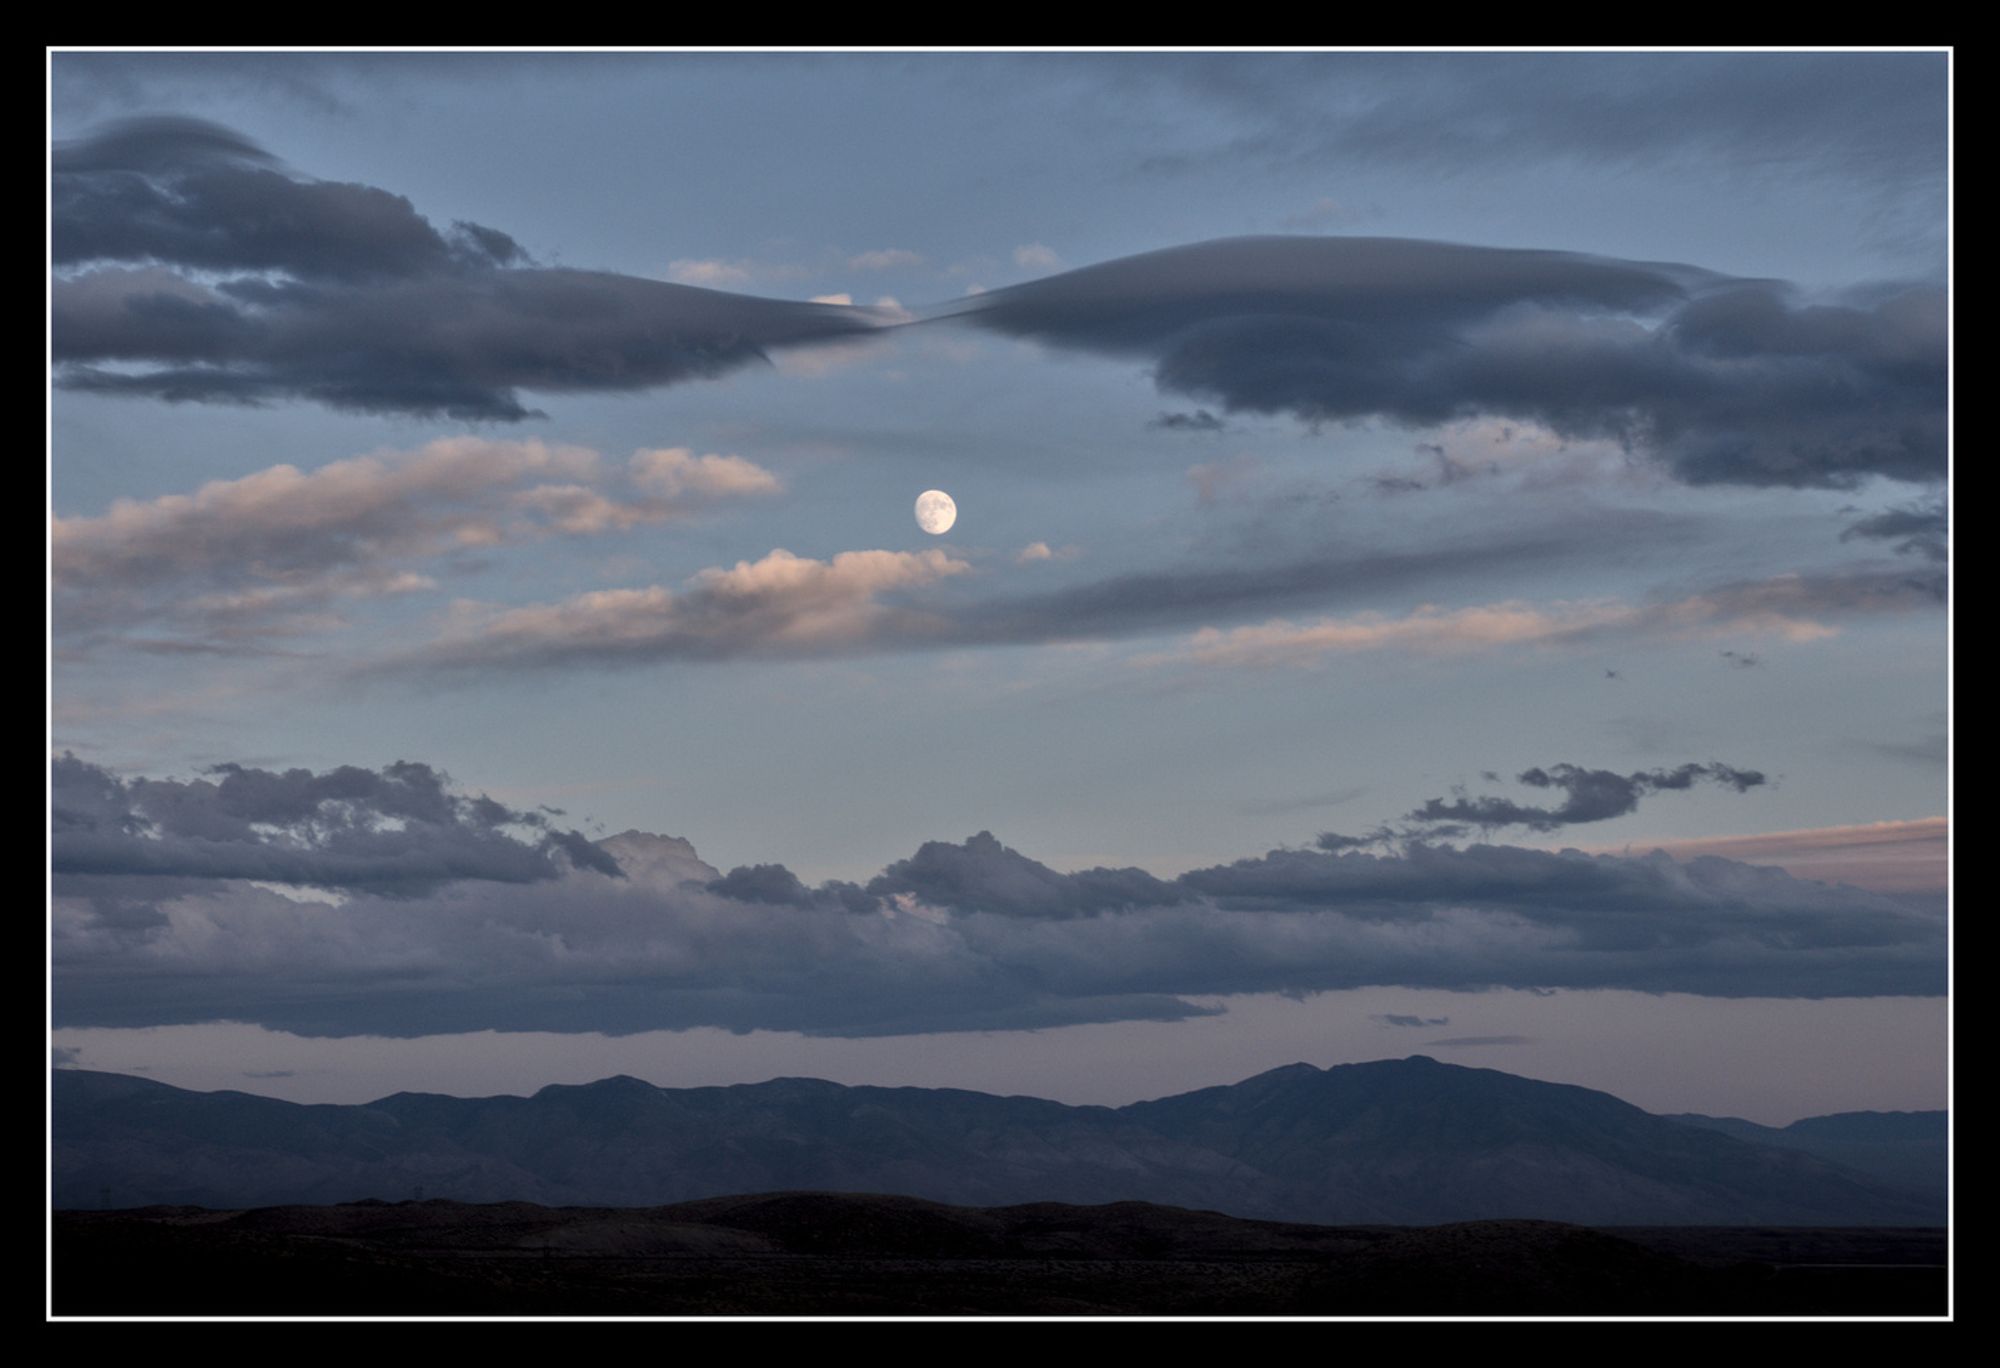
(936, 512)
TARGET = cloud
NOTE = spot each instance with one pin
(1589, 795)
(1792, 608)
(1919, 529)
(1462, 1041)
(1743, 660)
(1201, 420)
(1426, 628)
(781, 605)
(1722, 380)
(64, 1057)
(960, 936)
(1036, 257)
(1278, 807)
(984, 876)
(1402, 1019)
(877, 601)
(716, 273)
(399, 831)
(1886, 857)
(271, 551)
(793, 606)
(192, 267)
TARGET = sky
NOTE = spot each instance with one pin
(1452, 557)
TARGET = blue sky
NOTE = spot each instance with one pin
(1236, 564)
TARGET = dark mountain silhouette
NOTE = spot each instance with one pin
(1908, 1150)
(1396, 1141)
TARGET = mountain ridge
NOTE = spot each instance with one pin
(1411, 1141)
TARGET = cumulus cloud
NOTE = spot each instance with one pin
(777, 606)
(193, 267)
(960, 936)
(1723, 380)
(399, 831)
(270, 551)
(1034, 256)
(712, 271)
(1589, 795)
(984, 876)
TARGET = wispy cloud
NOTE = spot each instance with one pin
(1890, 857)
(274, 551)
(779, 605)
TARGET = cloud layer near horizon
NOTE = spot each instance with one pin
(446, 922)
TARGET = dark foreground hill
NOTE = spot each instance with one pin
(1406, 1141)
(848, 1254)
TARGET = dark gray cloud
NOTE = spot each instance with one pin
(195, 194)
(1723, 380)
(64, 1057)
(1201, 420)
(1919, 529)
(399, 831)
(196, 268)
(1743, 660)
(1589, 795)
(984, 876)
(1403, 1019)
(775, 884)
(972, 936)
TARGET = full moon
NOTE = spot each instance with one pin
(936, 512)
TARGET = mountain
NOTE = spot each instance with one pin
(1908, 1150)
(1408, 1141)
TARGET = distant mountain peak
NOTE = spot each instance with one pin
(1390, 1141)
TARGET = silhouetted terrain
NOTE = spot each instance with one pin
(1396, 1141)
(1903, 1149)
(822, 1253)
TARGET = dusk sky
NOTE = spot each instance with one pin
(1451, 558)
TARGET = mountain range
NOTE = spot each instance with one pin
(1411, 1141)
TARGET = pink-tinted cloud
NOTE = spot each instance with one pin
(1887, 857)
